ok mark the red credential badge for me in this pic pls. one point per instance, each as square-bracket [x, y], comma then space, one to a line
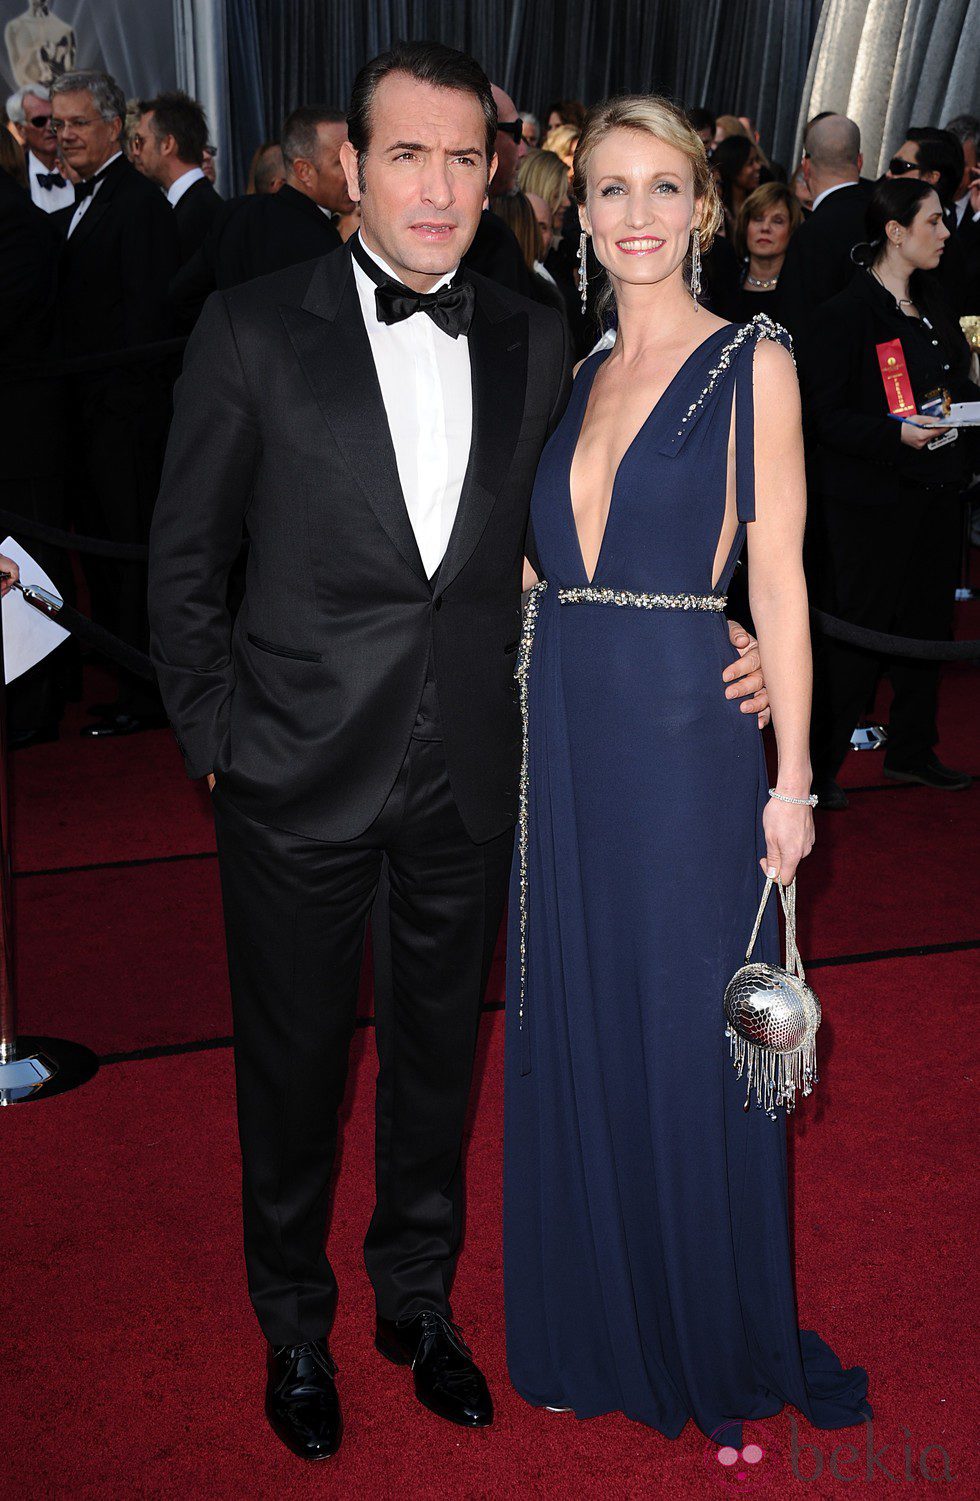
[895, 377]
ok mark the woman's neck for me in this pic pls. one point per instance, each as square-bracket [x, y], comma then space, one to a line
[657, 314]
[894, 277]
[765, 267]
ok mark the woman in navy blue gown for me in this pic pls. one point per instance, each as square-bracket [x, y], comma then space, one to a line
[647, 1255]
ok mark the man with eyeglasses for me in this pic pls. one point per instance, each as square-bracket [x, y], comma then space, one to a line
[29, 111]
[120, 253]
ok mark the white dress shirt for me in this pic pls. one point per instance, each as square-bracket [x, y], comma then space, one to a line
[425, 385]
[47, 198]
[963, 207]
[179, 186]
[83, 206]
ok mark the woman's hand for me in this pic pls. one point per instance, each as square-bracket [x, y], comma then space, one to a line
[922, 430]
[9, 574]
[789, 832]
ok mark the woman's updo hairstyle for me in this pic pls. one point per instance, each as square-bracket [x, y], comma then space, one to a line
[652, 115]
[657, 117]
[894, 200]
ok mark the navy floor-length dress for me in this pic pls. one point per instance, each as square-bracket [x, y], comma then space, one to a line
[647, 1255]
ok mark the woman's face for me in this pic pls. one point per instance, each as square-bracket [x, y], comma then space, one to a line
[554, 119]
[639, 206]
[922, 242]
[748, 178]
[768, 235]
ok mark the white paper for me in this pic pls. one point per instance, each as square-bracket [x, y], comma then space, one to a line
[964, 414]
[28, 636]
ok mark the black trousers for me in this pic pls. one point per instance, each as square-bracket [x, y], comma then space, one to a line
[295, 914]
[890, 568]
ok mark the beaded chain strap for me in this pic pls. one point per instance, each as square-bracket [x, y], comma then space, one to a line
[590, 596]
[761, 326]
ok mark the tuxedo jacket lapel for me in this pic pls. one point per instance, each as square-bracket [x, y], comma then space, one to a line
[97, 209]
[331, 343]
[498, 341]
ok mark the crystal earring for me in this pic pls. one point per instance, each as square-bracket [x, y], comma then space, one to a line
[583, 279]
[696, 267]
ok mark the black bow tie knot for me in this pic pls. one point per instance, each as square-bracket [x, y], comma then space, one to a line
[451, 308]
[50, 179]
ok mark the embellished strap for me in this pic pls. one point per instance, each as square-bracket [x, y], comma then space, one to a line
[522, 674]
[759, 327]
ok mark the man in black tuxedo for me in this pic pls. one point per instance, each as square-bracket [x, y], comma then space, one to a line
[818, 261]
[121, 251]
[265, 232]
[372, 420]
[168, 147]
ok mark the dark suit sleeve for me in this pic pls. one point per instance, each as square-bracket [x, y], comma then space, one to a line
[196, 536]
[150, 256]
[834, 392]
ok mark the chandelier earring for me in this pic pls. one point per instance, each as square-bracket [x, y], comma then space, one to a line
[583, 278]
[696, 267]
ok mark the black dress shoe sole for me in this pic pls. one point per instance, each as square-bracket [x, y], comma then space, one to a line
[924, 779]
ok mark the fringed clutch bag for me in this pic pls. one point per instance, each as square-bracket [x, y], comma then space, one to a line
[772, 1017]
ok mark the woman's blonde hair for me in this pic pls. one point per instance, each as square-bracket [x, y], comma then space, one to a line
[544, 173]
[757, 203]
[518, 215]
[561, 139]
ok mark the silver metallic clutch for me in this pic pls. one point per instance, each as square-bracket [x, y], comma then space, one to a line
[772, 1017]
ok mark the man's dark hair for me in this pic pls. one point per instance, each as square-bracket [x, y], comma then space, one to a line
[299, 130]
[426, 62]
[939, 151]
[964, 128]
[702, 119]
[177, 114]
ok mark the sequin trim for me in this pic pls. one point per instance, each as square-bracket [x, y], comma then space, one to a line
[522, 674]
[761, 326]
[590, 596]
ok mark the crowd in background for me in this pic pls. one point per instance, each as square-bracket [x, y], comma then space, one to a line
[112, 236]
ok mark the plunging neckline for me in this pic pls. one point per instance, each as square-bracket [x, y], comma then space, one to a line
[604, 354]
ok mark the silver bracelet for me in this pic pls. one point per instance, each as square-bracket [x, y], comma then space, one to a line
[800, 802]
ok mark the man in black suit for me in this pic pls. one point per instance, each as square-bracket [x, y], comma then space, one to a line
[818, 261]
[121, 251]
[168, 147]
[373, 420]
[266, 232]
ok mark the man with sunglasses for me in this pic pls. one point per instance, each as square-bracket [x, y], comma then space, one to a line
[495, 252]
[29, 111]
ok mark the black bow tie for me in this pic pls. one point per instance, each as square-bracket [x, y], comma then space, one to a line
[50, 179]
[451, 308]
[87, 188]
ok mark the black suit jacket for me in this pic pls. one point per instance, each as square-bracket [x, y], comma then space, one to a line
[855, 450]
[304, 707]
[195, 212]
[30, 247]
[116, 267]
[251, 237]
[818, 261]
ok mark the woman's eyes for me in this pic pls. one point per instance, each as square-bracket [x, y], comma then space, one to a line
[617, 187]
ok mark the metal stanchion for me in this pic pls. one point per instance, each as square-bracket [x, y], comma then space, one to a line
[30, 1067]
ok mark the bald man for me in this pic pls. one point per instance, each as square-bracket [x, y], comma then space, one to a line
[495, 252]
[818, 261]
[511, 145]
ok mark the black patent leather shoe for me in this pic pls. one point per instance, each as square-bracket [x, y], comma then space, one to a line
[301, 1399]
[122, 724]
[930, 773]
[447, 1380]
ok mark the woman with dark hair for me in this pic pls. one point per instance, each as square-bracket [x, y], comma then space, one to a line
[565, 112]
[763, 227]
[518, 214]
[736, 166]
[886, 493]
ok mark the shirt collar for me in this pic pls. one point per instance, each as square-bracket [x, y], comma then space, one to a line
[827, 192]
[105, 166]
[442, 282]
[180, 184]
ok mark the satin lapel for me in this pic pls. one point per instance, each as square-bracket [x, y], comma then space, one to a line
[332, 346]
[498, 374]
[97, 208]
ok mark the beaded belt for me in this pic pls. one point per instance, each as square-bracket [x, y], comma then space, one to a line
[589, 596]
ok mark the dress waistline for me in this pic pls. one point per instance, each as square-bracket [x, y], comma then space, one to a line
[593, 596]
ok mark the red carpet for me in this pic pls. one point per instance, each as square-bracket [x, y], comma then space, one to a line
[132, 1363]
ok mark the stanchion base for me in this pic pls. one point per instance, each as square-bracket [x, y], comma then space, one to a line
[45, 1066]
[966, 593]
[869, 737]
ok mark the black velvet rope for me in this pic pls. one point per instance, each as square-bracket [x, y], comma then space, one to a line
[894, 646]
[103, 641]
[99, 547]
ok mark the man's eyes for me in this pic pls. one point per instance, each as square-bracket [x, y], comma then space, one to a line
[413, 156]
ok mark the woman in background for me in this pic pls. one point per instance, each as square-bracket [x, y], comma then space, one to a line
[763, 227]
[562, 140]
[736, 166]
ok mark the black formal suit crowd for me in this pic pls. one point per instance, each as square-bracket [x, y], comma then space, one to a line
[354, 710]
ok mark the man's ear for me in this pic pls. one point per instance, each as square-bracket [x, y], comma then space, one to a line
[493, 168]
[348, 160]
[860, 162]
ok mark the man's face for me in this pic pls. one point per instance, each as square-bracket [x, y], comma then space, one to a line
[424, 177]
[969, 168]
[509, 150]
[542, 217]
[909, 152]
[146, 150]
[323, 178]
[38, 138]
[86, 140]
